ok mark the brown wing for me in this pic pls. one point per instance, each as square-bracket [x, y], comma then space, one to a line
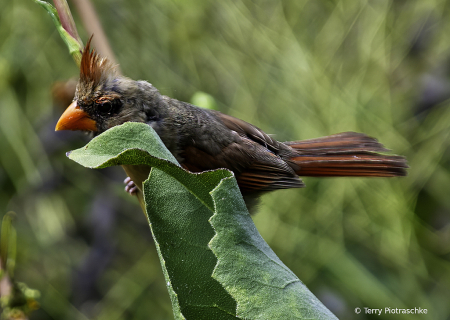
[255, 167]
[245, 129]
[263, 169]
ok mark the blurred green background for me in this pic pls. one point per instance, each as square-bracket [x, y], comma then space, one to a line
[295, 68]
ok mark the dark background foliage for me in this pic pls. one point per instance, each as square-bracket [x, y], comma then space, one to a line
[298, 69]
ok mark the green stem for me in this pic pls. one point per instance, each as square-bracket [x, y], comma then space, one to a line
[73, 42]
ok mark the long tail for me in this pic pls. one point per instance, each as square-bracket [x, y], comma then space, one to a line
[345, 154]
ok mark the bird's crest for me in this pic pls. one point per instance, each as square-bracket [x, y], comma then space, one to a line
[93, 68]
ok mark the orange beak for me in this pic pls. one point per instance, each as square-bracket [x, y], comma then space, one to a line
[75, 119]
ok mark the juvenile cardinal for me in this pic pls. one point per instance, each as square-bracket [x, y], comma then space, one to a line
[205, 139]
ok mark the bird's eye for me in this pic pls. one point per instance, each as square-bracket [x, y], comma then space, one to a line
[105, 107]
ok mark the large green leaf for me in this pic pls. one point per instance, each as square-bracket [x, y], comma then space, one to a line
[216, 264]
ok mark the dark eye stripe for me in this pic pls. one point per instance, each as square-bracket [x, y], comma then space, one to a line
[105, 107]
[109, 107]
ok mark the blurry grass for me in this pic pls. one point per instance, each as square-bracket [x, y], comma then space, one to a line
[299, 69]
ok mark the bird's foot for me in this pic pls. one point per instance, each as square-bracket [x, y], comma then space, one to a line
[130, 187]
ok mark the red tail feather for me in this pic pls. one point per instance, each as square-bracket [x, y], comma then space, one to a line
[345, 154]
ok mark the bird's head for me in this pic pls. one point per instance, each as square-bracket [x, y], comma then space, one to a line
[103, 98]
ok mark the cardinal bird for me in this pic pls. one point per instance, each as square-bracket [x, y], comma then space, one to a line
[203, 139]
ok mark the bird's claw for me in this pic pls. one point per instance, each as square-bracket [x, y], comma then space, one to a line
[130, 187]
